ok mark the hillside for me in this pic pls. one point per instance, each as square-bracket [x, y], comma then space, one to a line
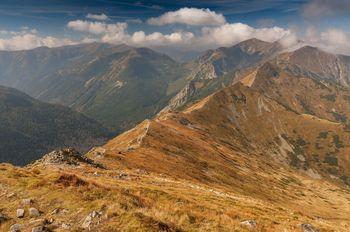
[222, 67]
[118, 86]
[225, 66]
[254, 156]
[30, 128]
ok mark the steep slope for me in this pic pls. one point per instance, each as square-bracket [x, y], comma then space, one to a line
[117, 85]
[239, 138]
[221, 67]
[29, 128]
[323, 65]
[303, 93]
[215, 63]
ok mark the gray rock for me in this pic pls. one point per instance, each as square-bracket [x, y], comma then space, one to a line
[89, 219]
[33, 212]
[251, 224]
[15, 228]
[122, 176]
[94, 214]
[38, 229]
[68, 156]
[20, 213]
[66, 226]
[306, 227]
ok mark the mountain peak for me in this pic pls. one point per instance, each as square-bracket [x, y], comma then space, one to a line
[254, 41]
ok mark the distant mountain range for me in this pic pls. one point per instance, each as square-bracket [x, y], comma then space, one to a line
[30, 128]
[119, 86]
[116, 85]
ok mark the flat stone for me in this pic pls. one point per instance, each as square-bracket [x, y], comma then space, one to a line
[20, 213]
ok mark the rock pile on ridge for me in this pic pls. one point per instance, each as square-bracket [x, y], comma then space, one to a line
[68, 156]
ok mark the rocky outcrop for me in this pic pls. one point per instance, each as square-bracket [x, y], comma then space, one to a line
[181, 98]
[69, 157]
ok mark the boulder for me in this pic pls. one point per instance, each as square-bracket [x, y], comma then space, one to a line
[33, 212]
[306, 227]
[20, 213]
[15, 228]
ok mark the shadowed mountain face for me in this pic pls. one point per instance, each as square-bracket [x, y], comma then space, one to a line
[30, 128]
[117, 85]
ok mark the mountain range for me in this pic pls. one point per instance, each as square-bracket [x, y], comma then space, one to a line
[248, 138]
[116, 85]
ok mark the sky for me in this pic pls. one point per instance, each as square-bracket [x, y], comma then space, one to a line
[193, 25]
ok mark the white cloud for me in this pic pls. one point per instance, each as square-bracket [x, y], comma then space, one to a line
[97, 16]
[230, 34]
[209, 36]
[159, 39]
[97, 27]
[334, 40]
[189, 16]
[30, 40]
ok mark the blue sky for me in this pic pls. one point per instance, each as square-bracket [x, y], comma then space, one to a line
[49, 18]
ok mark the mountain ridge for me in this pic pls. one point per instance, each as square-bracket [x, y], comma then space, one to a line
[30, 128]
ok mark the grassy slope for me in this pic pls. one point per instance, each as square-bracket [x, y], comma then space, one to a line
[153, 202]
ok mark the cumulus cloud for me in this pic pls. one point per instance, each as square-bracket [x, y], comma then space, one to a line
[189, 16]
[218, 34]
[209, 37]
[97, 16]
[332, 40]
[229, 34]
[30, 40]
[317, 8]
[97, 27]
[159, 39]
